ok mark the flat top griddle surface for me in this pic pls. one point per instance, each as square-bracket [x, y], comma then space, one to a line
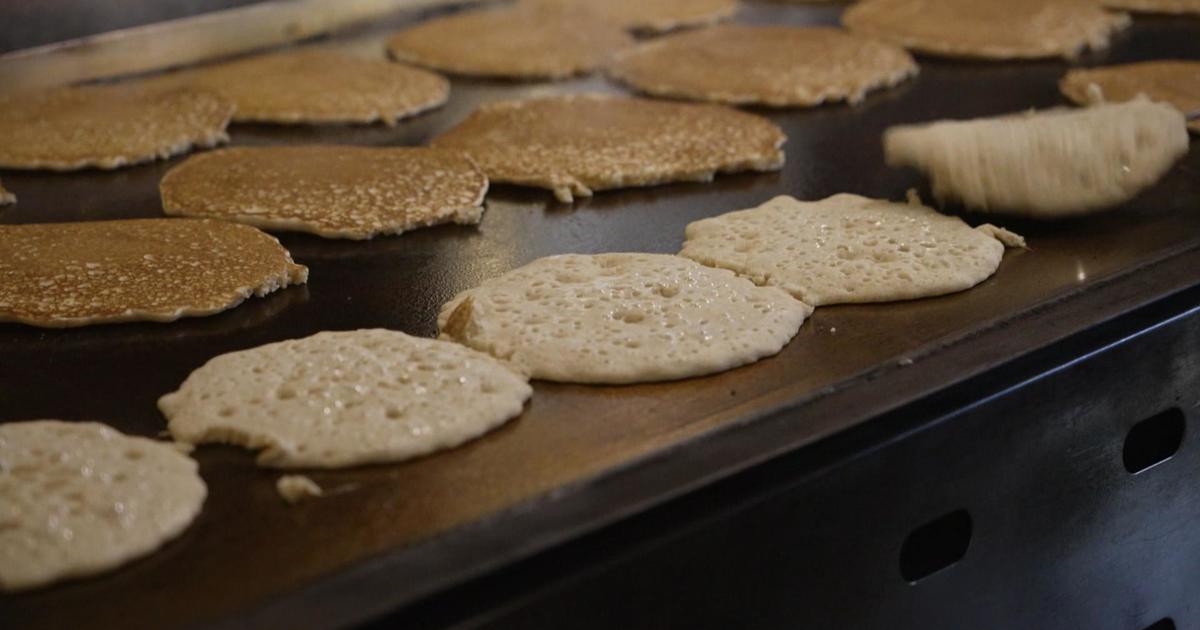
[248, 548]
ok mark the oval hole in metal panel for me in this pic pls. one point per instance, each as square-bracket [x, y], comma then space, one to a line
[1162, 624]
[935, 546]
[1153, 440]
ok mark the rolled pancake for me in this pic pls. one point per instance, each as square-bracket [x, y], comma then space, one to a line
[346, 398]
[577, 144]
[848, 248]
[622, 318]
[779, 66]
[1053, 163]
[320, 86]
[72, 274]
[107, 126]
[79, 498]
[526, 43]
[986, 29]
[654, 16]
[328, 190]
[1170, 81]
[6, 197]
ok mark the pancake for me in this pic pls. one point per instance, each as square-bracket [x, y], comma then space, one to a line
[622, 318]
[80, 498]
[653, 16]
[780, 66]
[1170, 81]
[848, 248]
[517, 43]
[328, 190]
[72, 274]
[1046, 164]
[107, 126]
[577, 144]
[319, 86]
[6, 197]
[985, 29]
[339, 399]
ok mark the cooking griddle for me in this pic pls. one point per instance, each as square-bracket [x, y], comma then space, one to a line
[581, 456]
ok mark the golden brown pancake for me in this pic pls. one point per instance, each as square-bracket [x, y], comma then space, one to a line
[514, 43]
[1172, 81]
[72, 274]
[107, 126]
[655, 16]
[332, 191]
[779, 66]
[987, 29]
[320, 86]
[579, 143]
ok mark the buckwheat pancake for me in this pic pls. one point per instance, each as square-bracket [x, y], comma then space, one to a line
[654, 16]
[848, 248]
[1170, 81]
[72, 274]
[6, 197]
[1154, 6]
[985, 29]
[780, 66]
[107, 126]
[320, 86]
[622, 318]
[521, 43]
[328, 190]
[79, 498]
[339, 399]
[1053, 163]
[577, 144]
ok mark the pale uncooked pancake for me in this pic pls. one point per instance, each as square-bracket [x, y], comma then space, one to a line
[622, 318]
[769, 65]
[333, 191]
[577, 144]
[1014, 29]
[515, 43]
[1046, 164]
[1171, 81]
[107, 126]
[73, 274]
[654, 16]
[79, 498]
[1154, 6]
[848, 248]
[320, 86]
[6, 197]
[345, 398]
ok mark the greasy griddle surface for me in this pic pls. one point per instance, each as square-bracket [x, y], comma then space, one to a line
[248, 547]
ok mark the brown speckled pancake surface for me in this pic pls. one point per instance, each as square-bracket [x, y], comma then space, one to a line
[770, 65]
[320, 86]
[73, 274]
[107, 126]
[1173, 81]
[515, 43]
[576, 144]
[332, 191]
[987, 29]
[650, 15]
